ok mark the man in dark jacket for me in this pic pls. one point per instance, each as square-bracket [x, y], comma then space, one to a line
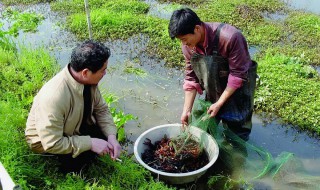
[217, 61]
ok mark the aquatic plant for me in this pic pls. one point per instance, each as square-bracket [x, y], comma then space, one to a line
[26, 22]
[17, 21]
[77, 6]
[288, 88]
[227, 183]
[119, 117]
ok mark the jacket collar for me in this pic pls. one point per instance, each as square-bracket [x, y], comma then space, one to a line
[75, 84]
[205, 42]
[203, 49]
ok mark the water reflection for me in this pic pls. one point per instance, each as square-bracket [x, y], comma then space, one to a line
[317, 69]
[50, 34]
[278, 16]
[285, 138]
[305, 5]
[160, 10]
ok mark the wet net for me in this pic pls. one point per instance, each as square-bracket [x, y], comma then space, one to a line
[242, 165]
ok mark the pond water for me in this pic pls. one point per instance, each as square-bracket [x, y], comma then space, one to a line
[157, 98]
[306, 5]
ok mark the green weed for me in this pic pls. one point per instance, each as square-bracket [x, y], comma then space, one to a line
[286, 83]
[119, 117]
[26, 22]
[77, 6]
[26, 72]
[228, 183]
[16, 2]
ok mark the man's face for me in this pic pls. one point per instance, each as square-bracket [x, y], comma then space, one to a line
[94, 78]
[191, 40]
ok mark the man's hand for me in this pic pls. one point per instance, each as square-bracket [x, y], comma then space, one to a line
[185, 117]
[116, 150]
[188, 103]
[213, 109]
[100, 146]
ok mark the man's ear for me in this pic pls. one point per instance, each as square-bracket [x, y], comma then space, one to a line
[197, 28]
[85, 73]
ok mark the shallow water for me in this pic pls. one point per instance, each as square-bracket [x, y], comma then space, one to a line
[158, 97]
[305, 5]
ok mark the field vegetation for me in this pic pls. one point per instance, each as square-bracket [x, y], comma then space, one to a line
[288, 86]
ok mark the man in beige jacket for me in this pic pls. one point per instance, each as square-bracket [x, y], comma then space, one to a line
[69, 117]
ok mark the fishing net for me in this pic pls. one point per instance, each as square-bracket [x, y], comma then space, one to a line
[242, 163]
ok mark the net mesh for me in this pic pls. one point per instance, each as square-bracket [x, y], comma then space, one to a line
[246, 164]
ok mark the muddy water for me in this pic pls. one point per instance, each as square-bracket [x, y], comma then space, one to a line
[157, 97]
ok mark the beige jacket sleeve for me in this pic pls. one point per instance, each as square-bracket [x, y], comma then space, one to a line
[102, 115]
[50, 114]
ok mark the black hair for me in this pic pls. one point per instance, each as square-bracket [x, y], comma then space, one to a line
[182, 22]
[90, 54]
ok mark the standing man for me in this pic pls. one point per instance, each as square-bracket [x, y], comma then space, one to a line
[69, 117]
[217, 61]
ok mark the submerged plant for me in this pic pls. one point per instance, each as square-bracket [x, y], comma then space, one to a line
[26, 22]
[119, 117]
[227, 183]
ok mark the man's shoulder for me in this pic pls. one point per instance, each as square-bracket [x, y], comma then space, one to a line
[55, 88]
[228, 32]
[226, 28]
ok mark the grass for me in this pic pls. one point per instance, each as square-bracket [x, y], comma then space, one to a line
[25, 2]
[287, 84]
[26, 72]
[77, 6]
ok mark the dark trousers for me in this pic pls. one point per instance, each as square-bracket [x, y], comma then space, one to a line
[242, 129]
[70, 164]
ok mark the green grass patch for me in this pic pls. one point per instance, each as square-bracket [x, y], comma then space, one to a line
[24, 2]
[306, 54]
[122, 25]
[26, 22]
[77, 6]
[305, 28]
[289, 88]
[27, 169]
[247, 16]
[160, 43]
[304, 35]
[106, 24]
[17, 21]
[122, 22]
[185, 2]
[25, 73]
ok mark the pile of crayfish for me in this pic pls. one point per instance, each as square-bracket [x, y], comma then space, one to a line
[178, 155]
